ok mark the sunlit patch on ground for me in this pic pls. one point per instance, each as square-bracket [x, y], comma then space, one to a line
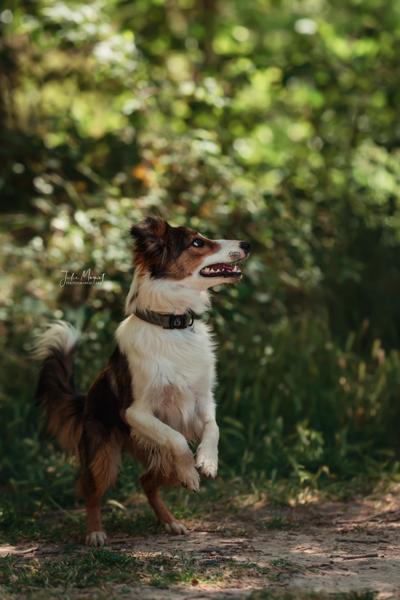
[346, 550]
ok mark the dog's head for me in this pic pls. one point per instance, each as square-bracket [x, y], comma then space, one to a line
[184, 255]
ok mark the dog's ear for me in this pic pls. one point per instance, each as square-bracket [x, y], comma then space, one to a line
[151, 227]
[150, 238]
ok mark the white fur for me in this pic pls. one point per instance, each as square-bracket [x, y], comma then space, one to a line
[176, 528]
[173, 375]
[163, 295]
[173, 371]
[59, 335]
[229, 251]
[96, 538]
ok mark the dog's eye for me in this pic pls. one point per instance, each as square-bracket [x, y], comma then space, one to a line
[198, 243]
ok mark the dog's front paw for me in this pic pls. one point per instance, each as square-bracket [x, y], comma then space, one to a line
[189, 478]
[207, 463]
[96, 538]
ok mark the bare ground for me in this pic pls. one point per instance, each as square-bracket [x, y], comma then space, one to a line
[327, 547]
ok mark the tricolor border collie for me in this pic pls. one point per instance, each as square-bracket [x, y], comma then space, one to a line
[155, 396]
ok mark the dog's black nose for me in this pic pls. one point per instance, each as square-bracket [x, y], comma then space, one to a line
[245, 246]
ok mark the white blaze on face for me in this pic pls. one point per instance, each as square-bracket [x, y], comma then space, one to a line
[230, 251]
[219, 267]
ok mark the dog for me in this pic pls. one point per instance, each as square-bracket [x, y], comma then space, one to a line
[155, 396]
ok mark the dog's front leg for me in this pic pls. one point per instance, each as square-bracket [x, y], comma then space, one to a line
[147, 427]
[207, 452]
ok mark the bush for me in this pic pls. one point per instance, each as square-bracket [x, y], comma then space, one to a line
[271, 122]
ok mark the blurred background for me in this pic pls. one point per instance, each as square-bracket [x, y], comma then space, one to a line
[274, 121]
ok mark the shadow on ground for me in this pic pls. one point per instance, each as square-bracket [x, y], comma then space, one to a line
[331, 549]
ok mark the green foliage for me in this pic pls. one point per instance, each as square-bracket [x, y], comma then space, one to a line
[274, 122]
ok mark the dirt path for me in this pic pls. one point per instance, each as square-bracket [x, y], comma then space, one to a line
[329, 547]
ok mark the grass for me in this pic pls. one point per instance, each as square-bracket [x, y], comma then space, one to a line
[128, 513]
[82, 569]
[71, 570]
[74, 570]
[38, 505]
[101, 570]
[56, 525]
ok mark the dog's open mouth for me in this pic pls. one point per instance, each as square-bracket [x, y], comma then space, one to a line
[221, 270]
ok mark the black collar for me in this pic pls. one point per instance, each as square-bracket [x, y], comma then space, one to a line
[167, 321]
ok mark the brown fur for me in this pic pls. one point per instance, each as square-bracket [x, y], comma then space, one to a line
[93, 428]
[151, 483]
[63, 405]
[167, 251]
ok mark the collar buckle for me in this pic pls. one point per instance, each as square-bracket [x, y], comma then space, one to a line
[177, 321]
[181, 321]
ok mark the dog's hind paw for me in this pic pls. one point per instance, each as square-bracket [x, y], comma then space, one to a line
[96, 538]
[176, 528]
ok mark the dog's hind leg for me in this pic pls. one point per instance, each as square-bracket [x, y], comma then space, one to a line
[100, 459]
[151, 483]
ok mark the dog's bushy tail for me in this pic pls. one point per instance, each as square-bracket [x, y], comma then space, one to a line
[56, 392]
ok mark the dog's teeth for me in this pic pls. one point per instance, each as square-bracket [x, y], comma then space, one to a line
[221, 269]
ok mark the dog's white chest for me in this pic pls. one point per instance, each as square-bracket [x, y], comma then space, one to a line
[171, 370]
[178, 408]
